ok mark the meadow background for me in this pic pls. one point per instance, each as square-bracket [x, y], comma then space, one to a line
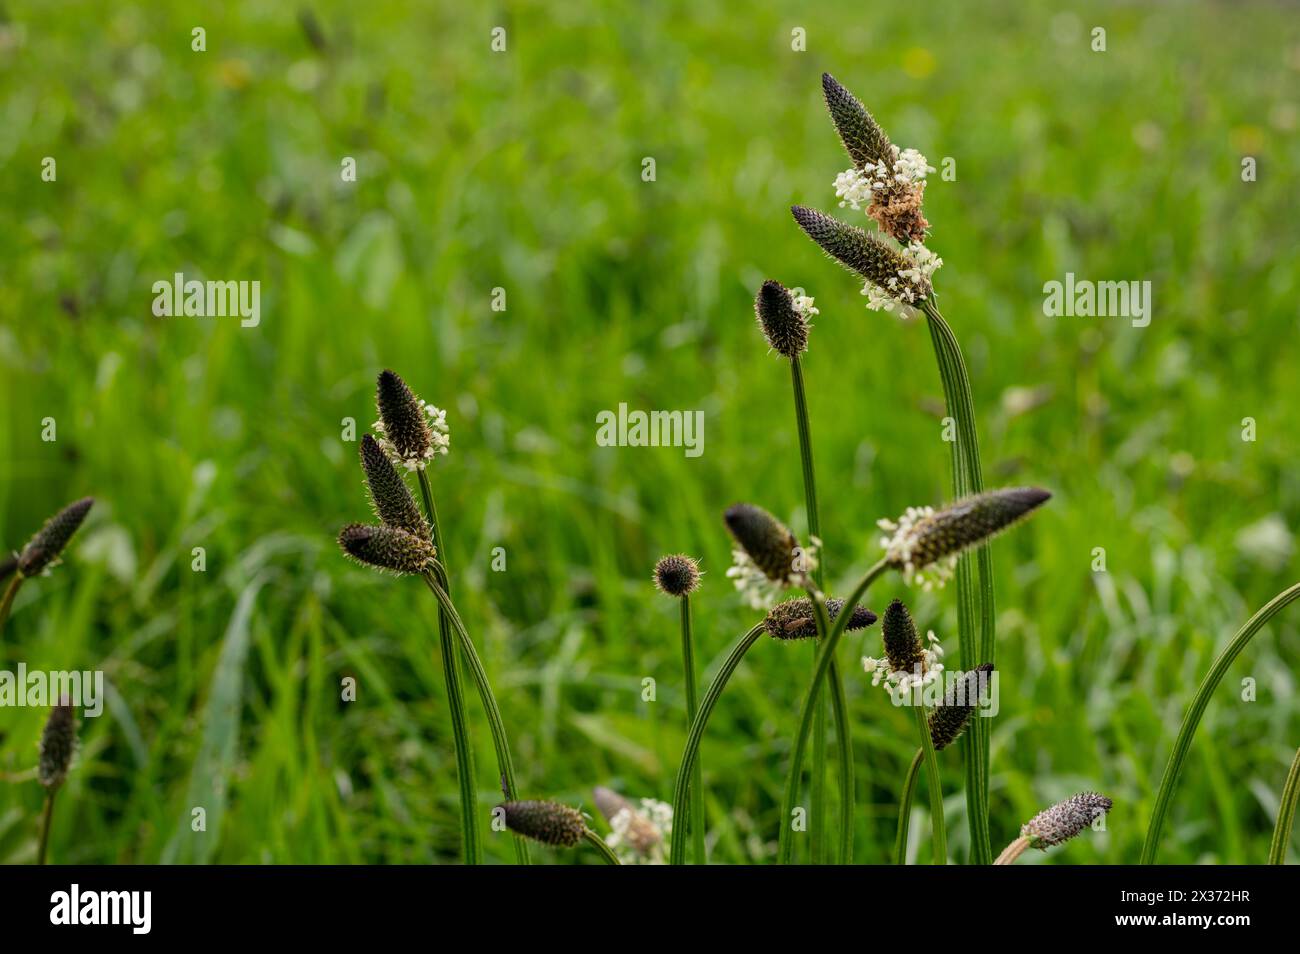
[522, 170]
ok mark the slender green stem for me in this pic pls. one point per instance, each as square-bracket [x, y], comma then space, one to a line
[696, 795]
[1285, 814]
[693, 738]
[445, 610]
[606, 853]
[938, 828]
[46, 817]
[974, 603]
[905, 807]
[7, 602]
[1197, 709]
[839, 706]
[825, 656]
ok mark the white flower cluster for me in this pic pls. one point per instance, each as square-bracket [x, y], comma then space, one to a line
[439, 439]
[901, 680]
[758, 591]
[857, 187]
[905, 290]
[803, 306]
[903, 534]
[644, 837]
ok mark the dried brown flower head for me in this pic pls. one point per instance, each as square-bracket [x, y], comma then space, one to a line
[58, 745]
[548, 822]
[677, 575]
[387, 548]
[793, 619]
[44, 548]
[950, 718]
[784, 326]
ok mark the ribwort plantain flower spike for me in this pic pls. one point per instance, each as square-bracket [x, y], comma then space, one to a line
[864, 140]
[768, 558]
[43, 550]
[58, 745]
[784, 318]
[410, 431]
[950, 718]
[903, 648]
[677, 575]
[1065, 819]
[387, 548]
[639, 833]
[548, 822]
[794, 619]
[925, 538]
[895, 281]
[389, 494]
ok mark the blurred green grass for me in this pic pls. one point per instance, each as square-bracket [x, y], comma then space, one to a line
[521, 170]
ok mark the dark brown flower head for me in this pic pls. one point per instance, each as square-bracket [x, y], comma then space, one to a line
[862, 136]
[44, 548]
[767, 542]
[784, 326]
[402, 418]
[548, 822]
[902, 644]
[1065, 819]
[922, 537]
[950, 718]
[387, 548]
[58, 745]
[876, 261]
[677, 575]
[389, 493]
[793, 619]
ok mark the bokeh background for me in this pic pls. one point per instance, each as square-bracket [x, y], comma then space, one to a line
[521, 170]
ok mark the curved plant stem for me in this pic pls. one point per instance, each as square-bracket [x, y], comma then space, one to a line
[7, 602]
[1285, 814]
[938, 828]
[499, 739]
[825, 656]
[905, 807]
[689, 754]
[974, 603]
[46, 817]
[606, 853]
[1197, 709]
[1012, 851]
[692, 706]
[839, 705]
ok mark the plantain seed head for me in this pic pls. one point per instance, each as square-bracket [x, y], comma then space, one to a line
[677, 575]
[548, 822]
[58, 745]
[950, 718]
[43, 549]
[387, 548]
[1065, 819]
[793, 619]
[783, 318]
[389, 494]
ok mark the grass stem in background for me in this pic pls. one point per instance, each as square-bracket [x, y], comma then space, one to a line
[696, 734]
[1196, 710]
[905, 807]
[825, 657]
[7, 602]
[938, 828]
[974, 598]
[1285, 814]
[46, 817]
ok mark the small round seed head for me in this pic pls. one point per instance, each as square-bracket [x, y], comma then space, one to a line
[902, 644]
[965, 524]
[856, 250]
[386, 548]
[1065, 819]
[677, 575]
[548, 822]
[44, 548]
[784, 327]
[58, 745]
[767, 541]
[950, 718]
[793, 619]
[389, 493]
[862, 136]
[406, 425]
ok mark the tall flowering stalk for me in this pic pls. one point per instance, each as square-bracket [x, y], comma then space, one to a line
[407, 542]
[678, 576]
[784, 319]
[890, 183]
[42, 551]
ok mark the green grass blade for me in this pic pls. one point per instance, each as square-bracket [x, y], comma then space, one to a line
[1285, 814]
[905, 807]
